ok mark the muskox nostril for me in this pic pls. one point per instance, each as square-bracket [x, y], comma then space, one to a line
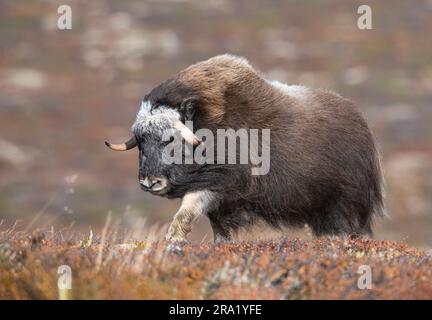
[153, 183]
[147, 182]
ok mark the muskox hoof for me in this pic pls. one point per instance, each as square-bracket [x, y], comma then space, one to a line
[177, 247]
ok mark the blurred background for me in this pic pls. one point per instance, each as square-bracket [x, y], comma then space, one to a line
[62, 93]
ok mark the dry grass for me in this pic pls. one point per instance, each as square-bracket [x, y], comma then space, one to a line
[283, 269]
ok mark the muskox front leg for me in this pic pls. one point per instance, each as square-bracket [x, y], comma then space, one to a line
[193, 205]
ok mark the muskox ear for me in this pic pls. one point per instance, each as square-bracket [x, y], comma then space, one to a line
[187, 108]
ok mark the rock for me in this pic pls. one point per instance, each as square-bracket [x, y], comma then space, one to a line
[25, 78]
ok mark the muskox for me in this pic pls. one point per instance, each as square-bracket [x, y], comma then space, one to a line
[324, 166]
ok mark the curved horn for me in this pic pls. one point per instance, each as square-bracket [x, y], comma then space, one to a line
[186, 133]
[130, 144]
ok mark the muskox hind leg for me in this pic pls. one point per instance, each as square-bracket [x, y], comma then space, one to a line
[220, 234]
[193, 205]
[343, 221]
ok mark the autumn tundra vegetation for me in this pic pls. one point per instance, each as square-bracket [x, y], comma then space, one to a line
[112, 264]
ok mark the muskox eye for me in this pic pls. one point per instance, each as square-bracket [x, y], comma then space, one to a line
[165, 143]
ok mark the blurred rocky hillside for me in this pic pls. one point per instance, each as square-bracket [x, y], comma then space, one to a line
[62, 93]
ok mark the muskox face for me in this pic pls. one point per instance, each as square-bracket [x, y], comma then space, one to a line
[158, 130]
[154, 129]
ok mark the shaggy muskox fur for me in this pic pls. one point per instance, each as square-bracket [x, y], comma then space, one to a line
[325, 170]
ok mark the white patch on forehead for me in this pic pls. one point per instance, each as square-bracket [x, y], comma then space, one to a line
[296, 91]
[145, 107]
[159, 118]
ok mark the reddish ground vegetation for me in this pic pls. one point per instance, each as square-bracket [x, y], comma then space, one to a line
[283, 269]
[63, 93]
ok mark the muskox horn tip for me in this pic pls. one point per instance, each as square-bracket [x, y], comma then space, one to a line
[131, 143]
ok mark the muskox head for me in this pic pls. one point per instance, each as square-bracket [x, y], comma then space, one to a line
[156, 131]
